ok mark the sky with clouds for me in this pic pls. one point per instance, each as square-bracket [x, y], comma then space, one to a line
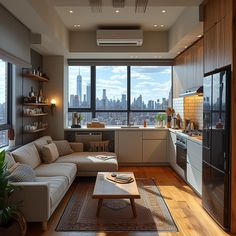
[152, 82]
[2, 81]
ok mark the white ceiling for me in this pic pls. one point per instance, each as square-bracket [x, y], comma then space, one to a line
[52, 20]
[88, 20]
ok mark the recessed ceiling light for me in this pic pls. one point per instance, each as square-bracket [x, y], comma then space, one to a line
[76, 26]
[117, 11]
[178, 53]
[155, 26]
[162, 25]
[199, 36]
[71, 11]
[185, 46]
[163, 11]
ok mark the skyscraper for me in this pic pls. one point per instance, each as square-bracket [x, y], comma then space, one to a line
[79, 87]
[88, 94]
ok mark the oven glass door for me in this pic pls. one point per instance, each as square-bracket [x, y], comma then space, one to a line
[181, 156]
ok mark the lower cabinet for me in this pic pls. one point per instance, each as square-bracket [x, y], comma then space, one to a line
[154, 151]
[194, 166]
[194, 178]
[142, 146]
[130, 146]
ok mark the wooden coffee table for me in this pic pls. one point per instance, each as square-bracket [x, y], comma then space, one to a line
[107, 189]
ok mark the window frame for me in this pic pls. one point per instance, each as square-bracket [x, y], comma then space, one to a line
[93, 109]
[8, 124]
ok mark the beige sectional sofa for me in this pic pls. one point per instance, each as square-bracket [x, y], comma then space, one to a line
[39, 198]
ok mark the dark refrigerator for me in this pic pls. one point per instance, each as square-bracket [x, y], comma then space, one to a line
[216, 147]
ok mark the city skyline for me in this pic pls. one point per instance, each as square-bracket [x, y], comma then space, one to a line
[145, 81]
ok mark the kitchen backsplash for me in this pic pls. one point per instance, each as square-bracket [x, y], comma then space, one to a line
[190, 107]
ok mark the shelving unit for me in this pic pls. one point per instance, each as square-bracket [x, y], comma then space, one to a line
[35, 115]
[34, 131]
[35, 77]
[29, 118]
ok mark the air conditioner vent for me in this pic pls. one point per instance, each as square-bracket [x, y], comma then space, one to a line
[119, 37]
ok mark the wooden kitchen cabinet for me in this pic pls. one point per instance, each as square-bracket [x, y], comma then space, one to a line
[218, 45]
[214, 12]
[188, 69]
[130, 147]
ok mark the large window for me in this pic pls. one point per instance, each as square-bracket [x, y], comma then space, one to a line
[111, 87]
[5, 96]
[118, 95]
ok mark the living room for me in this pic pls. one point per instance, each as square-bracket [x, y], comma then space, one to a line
[118, 117]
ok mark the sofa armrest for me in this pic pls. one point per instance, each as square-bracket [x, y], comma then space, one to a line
[77, 147]
[33, 199]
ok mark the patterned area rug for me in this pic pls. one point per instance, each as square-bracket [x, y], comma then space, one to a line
[116, 215]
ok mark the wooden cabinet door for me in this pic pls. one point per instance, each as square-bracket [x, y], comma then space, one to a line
[198, 64]
[210, 50]
[210, 14]
[130, 146]
[224, 42]
[154, 151]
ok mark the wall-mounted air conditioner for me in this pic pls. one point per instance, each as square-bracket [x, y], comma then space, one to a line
[119, 37]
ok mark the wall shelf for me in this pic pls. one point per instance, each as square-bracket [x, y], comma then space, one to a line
[35, 115]
[34, 131]
[35, 104]
[35, 77]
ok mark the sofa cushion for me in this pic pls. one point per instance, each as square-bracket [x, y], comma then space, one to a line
[57, 187]
[9, 159]
[39, 143]
[49, 153]
[27, 154]
[86, 161]
[63, 147]
[22, 173]
[57, 169]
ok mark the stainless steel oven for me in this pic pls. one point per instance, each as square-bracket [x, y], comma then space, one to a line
[181, 152]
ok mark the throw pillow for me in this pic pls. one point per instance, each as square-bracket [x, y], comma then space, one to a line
[63, 147]
[13, 167]
[49, 153]
[22, 173]
[9, 159]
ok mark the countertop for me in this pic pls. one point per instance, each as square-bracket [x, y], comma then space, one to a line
[141, 128]
[111, 128]
[197, 139]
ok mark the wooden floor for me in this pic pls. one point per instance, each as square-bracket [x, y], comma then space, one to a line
[184, 204]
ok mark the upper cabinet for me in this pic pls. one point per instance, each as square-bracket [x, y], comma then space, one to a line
[188, 69]
[217, 34]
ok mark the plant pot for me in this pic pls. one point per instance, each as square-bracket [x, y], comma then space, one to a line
[12, 143]
[16, 227]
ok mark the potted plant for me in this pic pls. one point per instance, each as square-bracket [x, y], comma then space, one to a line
[12, 221]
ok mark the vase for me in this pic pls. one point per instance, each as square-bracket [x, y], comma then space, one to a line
[12, 143]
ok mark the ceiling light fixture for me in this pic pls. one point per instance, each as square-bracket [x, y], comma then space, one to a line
[141, 6]
[162, 25]
[117, 11]
[70, 11]
[155, 26]
[76, 26]
[185, 46]
[199, 36]
[163, 11]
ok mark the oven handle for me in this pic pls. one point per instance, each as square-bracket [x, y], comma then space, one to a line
[181, 146]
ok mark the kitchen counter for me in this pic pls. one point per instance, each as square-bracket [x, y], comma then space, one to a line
[196, 139]
[113, 128]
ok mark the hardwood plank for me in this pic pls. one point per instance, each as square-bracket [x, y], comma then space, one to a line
[185, 207]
